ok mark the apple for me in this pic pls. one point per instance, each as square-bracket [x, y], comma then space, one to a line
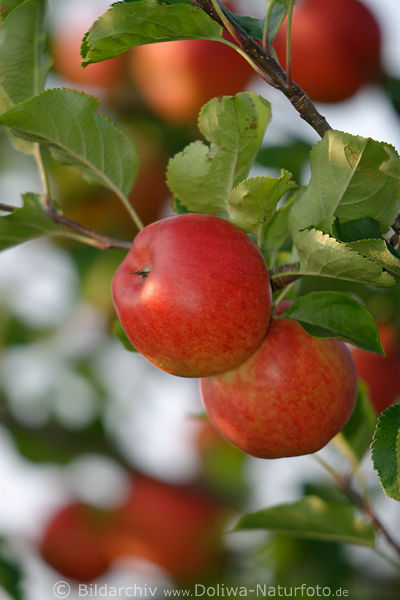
[193, 295]
[336, 48]
[381, 373]
[66, 41]
[177, 527]
[176, 78]
[72, 542]
[290, 398]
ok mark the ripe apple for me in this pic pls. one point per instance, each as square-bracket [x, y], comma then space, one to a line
[381, 373]
[176, 527]
[335, 48]
[72, 542]
[176, 78]
[193, 295]
[65, 50]
[290, 398]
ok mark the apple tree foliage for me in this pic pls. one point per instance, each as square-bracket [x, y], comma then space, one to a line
[334, 228]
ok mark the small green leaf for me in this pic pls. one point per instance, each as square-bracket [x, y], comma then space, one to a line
[23, 62]
[358, 431]
[202, 177]
[377, 250]
[252, 203]
[292, 156]
[333, 314]
[313, 518]
[324, 256]
[386, 451]
[10, 575]
[361, 229]
[277, 13]
[68, 123]
[129, 24]
[348, 182]
[26, 223]
[277, 229]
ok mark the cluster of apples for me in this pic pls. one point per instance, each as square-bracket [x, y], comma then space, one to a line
[175, 527]
[193, 295]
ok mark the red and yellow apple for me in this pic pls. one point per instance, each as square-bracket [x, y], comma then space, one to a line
[176, 527]
[193, 295]
[381, 373]
[290, 398]
[74, 540]
[176, 78]
[336, 47]
[65, 50]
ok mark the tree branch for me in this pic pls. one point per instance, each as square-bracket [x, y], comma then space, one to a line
[101, 241]
[289, 275]
[274, 74]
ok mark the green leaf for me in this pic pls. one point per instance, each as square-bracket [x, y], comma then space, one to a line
[277, 13]
[202, 177]
[347, 182]
[386, 451]
[252, 203]
[378, 251]
[291, 156]
[334, 314]
[10, 576]
[26, 223]
[361, 229]
[126, 25]
[358, 431]
[23, 63]
[324, 256]
[67, 122]
[313, 518]
[277, 229]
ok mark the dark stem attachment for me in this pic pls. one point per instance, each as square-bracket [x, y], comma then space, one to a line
[143, 272]
[273, 72]
[289, 274]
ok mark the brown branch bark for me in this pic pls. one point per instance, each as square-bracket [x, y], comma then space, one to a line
[289, 274]
[274, 74]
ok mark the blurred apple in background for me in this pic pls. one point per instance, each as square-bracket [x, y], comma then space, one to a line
[176, 78]
[73, 541]
[69, 28]
[381, 373]
[336, 48]
[176, 527]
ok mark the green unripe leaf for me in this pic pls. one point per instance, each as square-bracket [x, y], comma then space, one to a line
[386, 451]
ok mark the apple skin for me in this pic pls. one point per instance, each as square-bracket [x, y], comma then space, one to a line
[205, 303]
[336, 48]
[176, 78]
[73, 540]
[290, 398]
[177, 527]
[381, 373]
[65, 50]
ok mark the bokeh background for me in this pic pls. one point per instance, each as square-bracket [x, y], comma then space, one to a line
[80, 414]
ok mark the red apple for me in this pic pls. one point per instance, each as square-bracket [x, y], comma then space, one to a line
[65, 50]
[335, 48]
[177, 78]
[174, 526]
[73, 541]
[193, 295]
[290, 398]
[381, 373]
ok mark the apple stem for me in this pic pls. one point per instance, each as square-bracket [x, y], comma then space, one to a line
[273, 72]
[143, 272]
[283, 275]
